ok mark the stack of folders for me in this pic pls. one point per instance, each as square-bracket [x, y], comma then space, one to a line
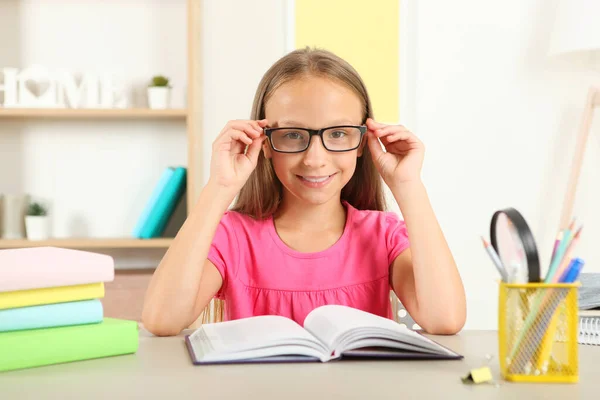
[589, 309]
[50, 308]
[162, 206]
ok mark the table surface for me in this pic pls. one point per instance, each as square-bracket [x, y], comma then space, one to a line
[161, 368]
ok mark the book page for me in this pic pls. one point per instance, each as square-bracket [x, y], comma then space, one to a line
[340, 326]
[250, 334]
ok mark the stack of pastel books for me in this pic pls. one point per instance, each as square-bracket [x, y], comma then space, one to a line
[50, 308]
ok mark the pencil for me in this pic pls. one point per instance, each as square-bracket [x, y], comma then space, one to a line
[556, 244]
[567, 257]
[559, 238]
[558, 257]
[495, 259]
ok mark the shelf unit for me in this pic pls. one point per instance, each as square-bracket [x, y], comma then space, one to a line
[72, 113]
[191, 116]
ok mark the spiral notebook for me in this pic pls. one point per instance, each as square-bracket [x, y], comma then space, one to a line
[589, 309]
[589, 327]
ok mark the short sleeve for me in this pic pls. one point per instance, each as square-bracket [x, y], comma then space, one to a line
[224, 250]
[396, 236]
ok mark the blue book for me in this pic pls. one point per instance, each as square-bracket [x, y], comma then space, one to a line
[164, 179]
[165, 205]
[51, 315]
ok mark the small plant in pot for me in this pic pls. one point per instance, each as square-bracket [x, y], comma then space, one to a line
[37, 222]
[159, 93]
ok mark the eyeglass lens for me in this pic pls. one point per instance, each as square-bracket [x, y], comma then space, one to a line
[334, 139]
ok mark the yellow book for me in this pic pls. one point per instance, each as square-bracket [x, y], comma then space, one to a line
[60, 294]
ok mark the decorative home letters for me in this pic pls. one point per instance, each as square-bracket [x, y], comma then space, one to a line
[38, 87]
[9, 87]
[84, 95]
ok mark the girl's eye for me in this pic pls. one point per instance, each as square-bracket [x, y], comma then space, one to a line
[337, 134]
[293, 135]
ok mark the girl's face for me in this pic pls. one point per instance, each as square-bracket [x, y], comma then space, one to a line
[316, 175]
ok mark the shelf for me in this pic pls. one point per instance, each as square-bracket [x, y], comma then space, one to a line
[74, 113]
[87, 243]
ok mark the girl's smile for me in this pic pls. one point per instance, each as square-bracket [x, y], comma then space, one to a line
[316, 181]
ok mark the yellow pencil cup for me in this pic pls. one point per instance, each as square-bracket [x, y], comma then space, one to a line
[537, 332]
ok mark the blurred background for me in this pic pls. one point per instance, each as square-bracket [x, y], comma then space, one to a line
[88, 127]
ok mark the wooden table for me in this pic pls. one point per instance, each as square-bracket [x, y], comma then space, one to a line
[162, 369]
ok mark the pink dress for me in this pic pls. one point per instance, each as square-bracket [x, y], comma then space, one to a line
[262, 275]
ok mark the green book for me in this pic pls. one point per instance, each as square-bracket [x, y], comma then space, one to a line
[37, 347]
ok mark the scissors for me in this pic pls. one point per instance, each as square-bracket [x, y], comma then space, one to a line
[513, 241]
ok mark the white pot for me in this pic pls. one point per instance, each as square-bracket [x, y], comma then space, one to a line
[37, 227]
[159, 97]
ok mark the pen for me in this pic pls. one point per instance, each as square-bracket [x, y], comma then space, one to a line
[572, 273]
[495, 259]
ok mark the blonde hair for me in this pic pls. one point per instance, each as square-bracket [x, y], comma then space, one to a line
[260, 197]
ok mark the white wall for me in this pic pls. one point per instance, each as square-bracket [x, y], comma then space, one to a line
[499, 119]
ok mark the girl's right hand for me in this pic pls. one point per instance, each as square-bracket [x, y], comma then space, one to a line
[231, 165]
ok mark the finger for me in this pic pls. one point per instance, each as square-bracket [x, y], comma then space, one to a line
[241, 136]
[256, 126]
[263, 123]
[372, 124]
[237, 146]
[247, 127]
[394, 137]
[374, 146]
[390, 129]
[254, 149]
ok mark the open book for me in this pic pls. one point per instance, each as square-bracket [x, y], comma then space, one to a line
[330, 332]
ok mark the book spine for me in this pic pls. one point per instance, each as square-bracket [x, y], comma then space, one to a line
[143, 219]
[26, 349]
[34, 297]
[48, 266]
[165, 205]
[51, 315]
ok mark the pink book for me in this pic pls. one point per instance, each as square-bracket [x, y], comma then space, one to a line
[42, 267]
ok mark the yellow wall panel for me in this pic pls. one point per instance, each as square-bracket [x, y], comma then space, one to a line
[365, 33]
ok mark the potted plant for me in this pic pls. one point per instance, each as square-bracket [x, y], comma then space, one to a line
[159, 93]
[37, 222]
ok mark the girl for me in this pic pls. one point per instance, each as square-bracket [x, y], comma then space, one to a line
[308, 227]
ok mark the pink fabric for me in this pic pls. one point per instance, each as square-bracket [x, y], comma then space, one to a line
[262, 275]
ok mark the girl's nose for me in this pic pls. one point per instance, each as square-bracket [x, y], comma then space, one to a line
[316, 155]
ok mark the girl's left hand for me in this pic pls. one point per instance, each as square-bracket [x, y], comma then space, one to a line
[403, 158]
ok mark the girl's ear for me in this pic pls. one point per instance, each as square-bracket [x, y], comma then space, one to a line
[362, 145]
[266, 147]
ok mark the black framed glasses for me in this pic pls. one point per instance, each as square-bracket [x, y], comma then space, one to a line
[334, 138]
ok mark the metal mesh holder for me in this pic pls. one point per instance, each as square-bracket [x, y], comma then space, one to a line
[537, 332]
